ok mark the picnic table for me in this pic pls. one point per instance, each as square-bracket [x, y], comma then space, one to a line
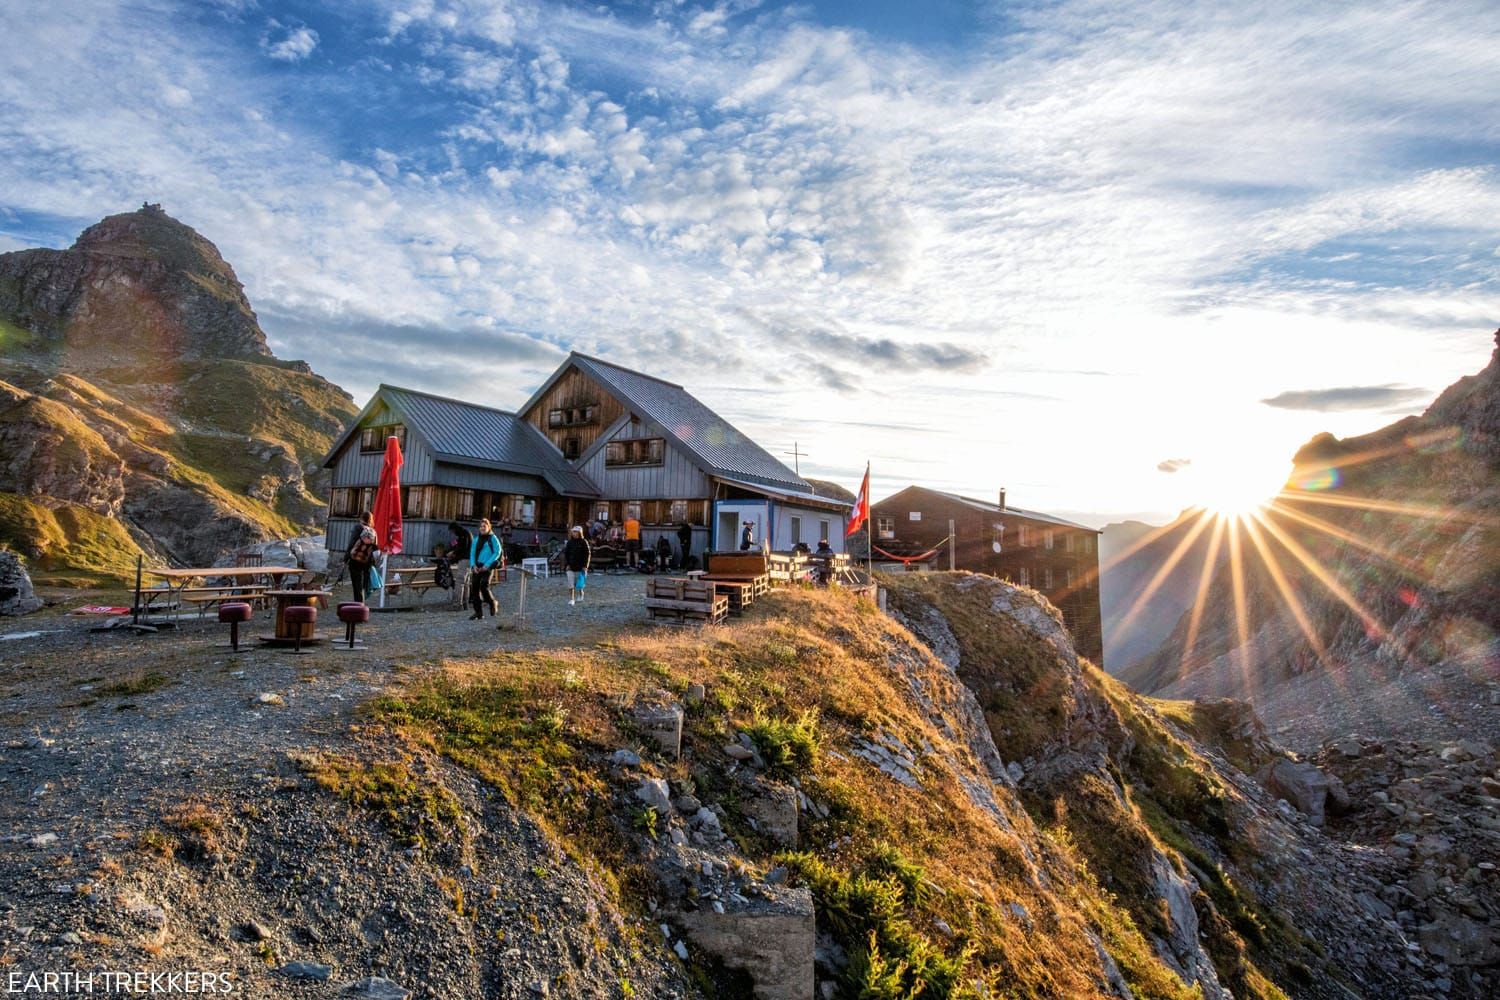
[241, 584]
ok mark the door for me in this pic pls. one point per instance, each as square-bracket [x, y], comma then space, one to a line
[728, 535]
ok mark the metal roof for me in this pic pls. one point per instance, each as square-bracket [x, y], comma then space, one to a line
[470, 434]
[713, 441]
[991, 507]
[776, 493]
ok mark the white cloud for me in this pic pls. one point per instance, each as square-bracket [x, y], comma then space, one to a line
[294, 44]
[741, 197]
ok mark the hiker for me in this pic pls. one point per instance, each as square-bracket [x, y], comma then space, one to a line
[747, 536]
[460, 541]
[485, 556]
[632, 540]
[824, 555]
[576, 557]
[664, 553]
[360, 556]
[684, 542]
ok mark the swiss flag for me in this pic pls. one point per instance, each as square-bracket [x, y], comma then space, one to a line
[861, 512]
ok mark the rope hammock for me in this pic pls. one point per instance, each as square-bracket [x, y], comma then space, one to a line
[908, 560]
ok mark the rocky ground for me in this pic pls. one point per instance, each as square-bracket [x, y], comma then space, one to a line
[121, 749]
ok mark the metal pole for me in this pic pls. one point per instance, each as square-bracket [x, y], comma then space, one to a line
[952, 558]
[521, 600]
[384, 559]
[136, 611]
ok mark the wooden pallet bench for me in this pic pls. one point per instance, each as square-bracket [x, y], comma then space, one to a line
[675, 601]
[739, 592]
[205, 597]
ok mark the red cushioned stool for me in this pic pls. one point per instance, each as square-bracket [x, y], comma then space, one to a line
[234, 613]
[352, 613]
[299, 615]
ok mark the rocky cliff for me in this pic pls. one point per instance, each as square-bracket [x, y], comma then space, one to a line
[1368, 594]
[141, 410]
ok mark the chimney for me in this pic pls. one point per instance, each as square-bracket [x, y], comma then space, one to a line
[1002, 498]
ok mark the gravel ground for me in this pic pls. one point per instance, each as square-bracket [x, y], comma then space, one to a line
[90, 767]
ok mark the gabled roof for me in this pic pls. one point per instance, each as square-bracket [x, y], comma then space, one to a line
[463, 433]
[991, 507]
[718, 447]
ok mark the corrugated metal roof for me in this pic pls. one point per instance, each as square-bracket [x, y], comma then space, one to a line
[992, 507]
[474, 434]
[718, 446]
[820, 499]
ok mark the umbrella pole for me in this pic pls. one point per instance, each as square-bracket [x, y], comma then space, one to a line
[383, 560]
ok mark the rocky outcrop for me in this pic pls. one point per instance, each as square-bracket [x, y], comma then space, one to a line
[146, 393]
[16, 594]
[134, 286]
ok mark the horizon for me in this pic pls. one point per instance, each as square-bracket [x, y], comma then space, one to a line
[1277, 219]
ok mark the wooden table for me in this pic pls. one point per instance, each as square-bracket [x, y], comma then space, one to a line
[179, 579]
[286, 599]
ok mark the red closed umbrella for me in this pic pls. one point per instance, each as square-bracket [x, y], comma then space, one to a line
[388, 500]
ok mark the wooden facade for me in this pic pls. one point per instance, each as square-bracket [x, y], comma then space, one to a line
[574, 413]
[1056, 557]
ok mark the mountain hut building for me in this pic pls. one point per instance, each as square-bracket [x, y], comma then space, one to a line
[595, 442]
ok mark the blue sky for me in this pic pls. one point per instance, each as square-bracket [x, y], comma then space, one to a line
[1115, 257]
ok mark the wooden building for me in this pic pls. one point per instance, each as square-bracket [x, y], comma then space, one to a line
[1051, 555]
[595, 442]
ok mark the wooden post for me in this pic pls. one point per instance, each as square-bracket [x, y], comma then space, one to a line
[952, 556]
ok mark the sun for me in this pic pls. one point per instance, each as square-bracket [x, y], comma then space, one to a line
[1230, 488]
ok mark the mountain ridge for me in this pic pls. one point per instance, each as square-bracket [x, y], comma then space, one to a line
[142, 412]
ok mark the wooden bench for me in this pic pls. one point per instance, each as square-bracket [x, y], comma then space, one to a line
[205, 597]
[739, 592]
[675, 601]
[786, 568]
[419, 580]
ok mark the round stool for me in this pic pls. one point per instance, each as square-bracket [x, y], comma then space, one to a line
[234, 613]
[352, 613]
[298, 615]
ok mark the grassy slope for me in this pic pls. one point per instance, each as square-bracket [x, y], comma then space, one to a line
[887, 863]
[68, 546]
[1175, 801]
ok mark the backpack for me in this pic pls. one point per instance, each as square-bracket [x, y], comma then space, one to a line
[363, 550]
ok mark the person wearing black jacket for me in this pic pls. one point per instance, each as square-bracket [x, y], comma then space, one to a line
[457, 554]
[576, 556]
[685, 541]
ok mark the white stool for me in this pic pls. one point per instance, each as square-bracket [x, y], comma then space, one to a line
[536, 566]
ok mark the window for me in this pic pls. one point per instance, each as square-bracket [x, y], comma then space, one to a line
[1068, 540]
[1025, 535]
[633, 510]
[1088, 544]
[573, 416]
[1047, 578]
[416, 501]
[796, 530]
[997, 536]
[521, 510]
[1047, 538]
[601, 511]
[555, 514]
[449, 504]
[823, 533]
[1023, 577]
[638, 451]
[1068, 578]
[572, 447]
[344, 503]
[885, 527]
[372, 439]
[914, 515]
[691, 511]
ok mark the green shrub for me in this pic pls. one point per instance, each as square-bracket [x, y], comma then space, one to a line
[789, 747]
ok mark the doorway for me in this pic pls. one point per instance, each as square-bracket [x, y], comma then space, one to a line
[727, 538]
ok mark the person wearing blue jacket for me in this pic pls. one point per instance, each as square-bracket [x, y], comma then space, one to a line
[485, 556]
